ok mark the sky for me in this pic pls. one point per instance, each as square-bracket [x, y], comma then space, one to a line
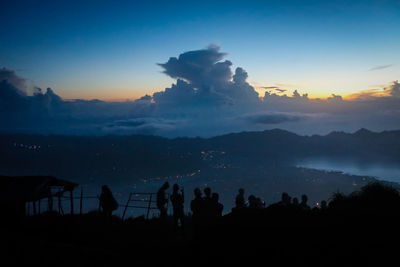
[198, 68]
[109, 50]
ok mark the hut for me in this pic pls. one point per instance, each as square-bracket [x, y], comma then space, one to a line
[17, 191]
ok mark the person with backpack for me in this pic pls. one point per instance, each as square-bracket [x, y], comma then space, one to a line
[107, 201]
[162, 200]
[177, 200]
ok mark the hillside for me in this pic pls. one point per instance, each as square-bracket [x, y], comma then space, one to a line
[151, 156]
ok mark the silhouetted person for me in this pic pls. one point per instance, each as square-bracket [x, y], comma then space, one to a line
[207, 193]
[196, 205]
[285, 199]
[107, 201]
[217, 207]
[207, 203]
[289, 200]
[177, 200]
[324, 205]
[303, 203]
[295, 201]
[162, 200]
[253, 202]
[240, 202]
[260, 204]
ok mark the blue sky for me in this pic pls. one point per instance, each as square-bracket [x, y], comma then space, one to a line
[109, 49]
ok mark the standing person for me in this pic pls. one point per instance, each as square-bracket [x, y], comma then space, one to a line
[107, 201]
[197, 204]
[177, 200]
[253, 202]
[240, 202]
[286, 200]
[324, 205]
[260, 204]
[303, 203]
[207, 203]
[217, 207]
[162, 200]
[197, 208]
[207, 194]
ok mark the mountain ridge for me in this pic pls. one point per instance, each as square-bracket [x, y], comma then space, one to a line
[143, 155]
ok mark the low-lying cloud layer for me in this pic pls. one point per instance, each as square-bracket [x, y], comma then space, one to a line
[208, 98]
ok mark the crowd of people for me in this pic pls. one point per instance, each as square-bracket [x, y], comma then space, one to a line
[204, 208]
[286, 201]
[208, 206]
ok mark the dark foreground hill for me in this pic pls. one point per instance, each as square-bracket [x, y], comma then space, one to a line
[355, 230]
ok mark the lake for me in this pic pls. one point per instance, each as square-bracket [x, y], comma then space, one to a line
[380, 170]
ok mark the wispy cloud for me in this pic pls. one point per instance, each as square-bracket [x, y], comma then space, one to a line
[275, 88]
[381, 67]
[270, 87]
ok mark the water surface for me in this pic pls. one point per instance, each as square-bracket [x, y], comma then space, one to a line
[381, 170]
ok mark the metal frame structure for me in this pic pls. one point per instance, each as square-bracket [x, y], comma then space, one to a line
[148, 205]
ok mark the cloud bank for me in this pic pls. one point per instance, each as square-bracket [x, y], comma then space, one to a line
[207, 98]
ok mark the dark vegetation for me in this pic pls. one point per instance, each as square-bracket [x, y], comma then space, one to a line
[356, 229]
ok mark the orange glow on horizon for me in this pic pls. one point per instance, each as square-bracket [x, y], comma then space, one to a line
[104, 96]
[132, 94]
[349, 97]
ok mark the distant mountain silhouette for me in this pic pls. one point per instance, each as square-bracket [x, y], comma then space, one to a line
[150, 156]
[363, 144]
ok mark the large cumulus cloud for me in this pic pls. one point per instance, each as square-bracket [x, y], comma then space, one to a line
[204, 79]
[207, 98]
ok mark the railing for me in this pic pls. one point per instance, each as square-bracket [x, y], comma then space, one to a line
[148, 202]
[135, 200]
[59, 197]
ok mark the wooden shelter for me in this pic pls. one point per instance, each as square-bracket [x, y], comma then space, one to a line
[16, 191]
